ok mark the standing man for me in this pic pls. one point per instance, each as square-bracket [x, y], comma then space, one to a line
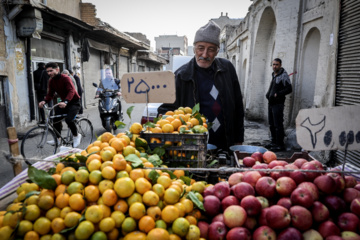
[79, 88]
[213, 83]
[280, 86]
[70, 104]
[41, 79]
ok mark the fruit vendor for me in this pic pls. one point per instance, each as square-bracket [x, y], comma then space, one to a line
[279, 87]
[213, 83]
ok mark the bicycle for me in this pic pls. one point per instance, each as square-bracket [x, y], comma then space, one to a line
[35, 143]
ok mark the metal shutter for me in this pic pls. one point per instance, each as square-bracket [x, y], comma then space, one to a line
[348, 66]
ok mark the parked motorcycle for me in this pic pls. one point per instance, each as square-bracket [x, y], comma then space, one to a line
[109, 108]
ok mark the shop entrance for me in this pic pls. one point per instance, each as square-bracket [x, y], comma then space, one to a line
[3, 114]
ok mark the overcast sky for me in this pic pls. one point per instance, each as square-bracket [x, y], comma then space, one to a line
[166, 17]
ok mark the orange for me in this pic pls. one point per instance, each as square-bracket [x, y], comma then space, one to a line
[180, 226]
[106, 136]
[108, 173]
[42, 225]
[124, 187]
[128, 150]
[156, 130]
[124, 140]
[169, 113]
[118, 218]
[117, 144]
[32, 212]
[194, 121]
[95, 176]
[24, 227]
[75, 187]
[162, 122]
[109, 197]
[155, 140]
[142, 185]
[195, 213]
[59, 167]
[46, 202]
[167, 128]
[174, 237]
[189, 205]
[148, 164]
[136, 173]
[181, 209]
[57, 178]
[198, 187]
[185, 127]
[59, 189]
[95, 164]
[94, 214]
[179, 173]
[57, 225]
[106, 155]
[62, 200]
[171, 196]
[104, 144]
[65, 211]
[128, 168]
[77, 202]
[31, 235]
[107, 224]
[34, 199]
[105, 184]
[84, 230]
[128, 225]
[82, 176]
[165, 181]
[154, 212]
[176, 123]
[158, 234]
[113, 235]
[97, 143]
[119, 164]
[137, 210]
[136, 235]
[72, 219]
[106, 210]
[106, 164]
[92, 157]
[176, 187]
[92, 193]
[193, 233]
[169, 213]
[136, 128]
[150, 198]
[146, 223]
[191, 219]
[121, 206]
[158, 189]
[93, 149]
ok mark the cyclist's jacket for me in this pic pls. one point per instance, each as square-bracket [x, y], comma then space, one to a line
[64, 87]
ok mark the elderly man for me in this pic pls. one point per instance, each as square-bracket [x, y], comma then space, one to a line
[213, 83]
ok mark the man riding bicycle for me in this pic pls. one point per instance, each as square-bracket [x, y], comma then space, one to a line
[70, 101]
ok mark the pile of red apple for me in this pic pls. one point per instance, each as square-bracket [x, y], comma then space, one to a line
[296, 204]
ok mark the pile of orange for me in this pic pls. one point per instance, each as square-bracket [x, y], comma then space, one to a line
[107, 199]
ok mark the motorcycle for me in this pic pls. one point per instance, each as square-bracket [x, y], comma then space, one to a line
[109, 108]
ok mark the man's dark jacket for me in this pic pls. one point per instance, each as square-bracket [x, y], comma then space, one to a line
[227, 84]
[281, 85]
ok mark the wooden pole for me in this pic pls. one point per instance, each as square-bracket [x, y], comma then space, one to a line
[14, 148]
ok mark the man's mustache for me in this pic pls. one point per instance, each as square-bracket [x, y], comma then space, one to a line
[206, 59]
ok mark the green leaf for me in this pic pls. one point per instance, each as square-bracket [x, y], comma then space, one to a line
[186, 180]
[41, 178]
[52, 171]
[81, 158]
[144, 155]
[129, 111]
[172, 175]
[156, 119]
[149, 124]
[129, 134]
[155, 160]
[160, 151]
[198, 117]
[153, 175]
[191, 195]
[140, 143]
[29, 194]
[182, 121]
[209, 125]
[196, 108]
[135, 160]
[119, 125]
[213, 163]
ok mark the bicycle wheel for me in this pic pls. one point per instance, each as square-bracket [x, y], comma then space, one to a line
[35, 143]
[85, 128]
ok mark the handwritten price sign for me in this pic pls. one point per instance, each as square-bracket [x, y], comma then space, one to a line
[160, 87]
[329, 128]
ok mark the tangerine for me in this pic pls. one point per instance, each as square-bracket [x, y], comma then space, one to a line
[146, 224]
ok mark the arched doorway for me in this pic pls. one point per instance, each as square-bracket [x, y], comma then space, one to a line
[256, 107]
[309, 63]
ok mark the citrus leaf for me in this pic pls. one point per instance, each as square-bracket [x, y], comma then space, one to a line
[196, 108]
[182, 121]
[149, 124]
[29, 194]
[160, 151]
[213, 163]
[155, 160]
[140, 143]
[172, 175]
[52, 171]
[144, 155]
[81, 158]
[41, 178]
[135, 160]
[129, 111]
[191, 195]
[153, 175]
[119, 125]
[186, 180]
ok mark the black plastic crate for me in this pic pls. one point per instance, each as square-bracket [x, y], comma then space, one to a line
[186, 150]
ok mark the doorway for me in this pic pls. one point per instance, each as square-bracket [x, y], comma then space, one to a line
[3, 114]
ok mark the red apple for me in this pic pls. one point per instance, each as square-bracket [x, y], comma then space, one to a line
[302, 196]
[277, 163]
[264, 233]
[228, 201]
[279, 174]
[334, 237]
[263, 200]
[301, 218]
[298, 176]
[340, 182]
[291, 166]
[350, 181]
[222, 190]
[251, 205]
[320, 212]
[217, 231]
[300, 161]
[335, 204]
[212, 205]
[317, 164]
[325, 184]
[290, 233]
[312, 188]
[348, 235]
[238, 233]
[218, 218]
[285, 186]
[234, 216]
[350, 194]
[328, 228]
[243, 189]
[261, 166]
[251, 177]
[258, 156]
[203, 227]
[357, 187]
[355, 206]
[235, 178]
[249, 161]
[310, 176]
[348, 222]
[210, 190]
[278, 217]
[269, 156]
[312, 235]
[250, 223]
[262, 217]
[266, 186]
[285, 202]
